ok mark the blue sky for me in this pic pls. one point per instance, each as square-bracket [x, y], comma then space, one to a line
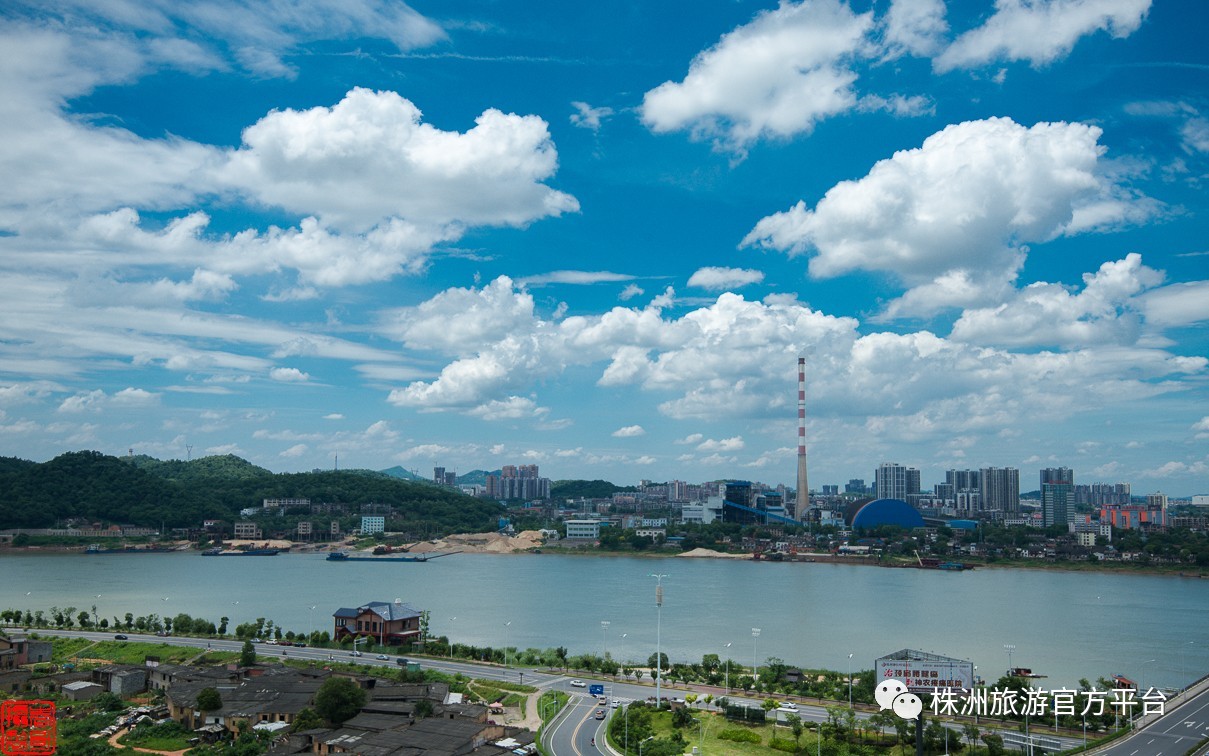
[596, 237]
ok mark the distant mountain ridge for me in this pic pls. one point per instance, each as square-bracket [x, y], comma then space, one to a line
[145, 491]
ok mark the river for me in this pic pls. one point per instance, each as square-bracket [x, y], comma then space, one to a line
[1067, 625]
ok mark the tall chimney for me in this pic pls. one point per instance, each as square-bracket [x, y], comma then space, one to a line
[803, 486]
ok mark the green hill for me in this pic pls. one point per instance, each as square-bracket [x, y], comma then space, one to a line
[144, 491]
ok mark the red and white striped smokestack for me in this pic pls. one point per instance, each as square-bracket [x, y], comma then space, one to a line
[803, 486]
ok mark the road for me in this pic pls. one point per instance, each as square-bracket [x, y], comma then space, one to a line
[1179, 729]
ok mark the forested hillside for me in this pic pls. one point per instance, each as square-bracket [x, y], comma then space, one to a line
[150, 492]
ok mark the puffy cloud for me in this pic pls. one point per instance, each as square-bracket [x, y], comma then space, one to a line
[512, 408]
[463, 320]
[629, 431]
[289, 375]
[97, 400]
[629, 292]
[718, 279]
[776, 76]
[378, 161]
[1202, 428]
[735, 443]
[1040, 31]
[333, 416]
[1105, 312]
[953, 213]
[297, 450]
[1177, 304]
[914, 27]
[588, 117]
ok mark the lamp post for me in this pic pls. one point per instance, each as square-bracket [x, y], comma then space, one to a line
[312, 619]
[451, 619]
[1142, 681]
[641, 743]
[1184, 663]
[1009, 647]
[755, 633]
[658, 642]
[727, 669]
[506, 625]
[604, 644]
[849, 681]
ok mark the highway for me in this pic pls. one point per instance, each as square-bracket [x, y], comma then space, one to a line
[1180, 728]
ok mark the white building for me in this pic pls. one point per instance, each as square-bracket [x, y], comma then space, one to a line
[702, 512]
[583, 529]
[371, 525]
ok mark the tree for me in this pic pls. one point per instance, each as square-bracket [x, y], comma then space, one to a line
[208, 699]
[338, 699]
[307, 719]
[222, 625]
[994, 744]
[971, 733]
[247, 655]
[423, 708]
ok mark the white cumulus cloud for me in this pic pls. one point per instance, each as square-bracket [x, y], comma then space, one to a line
[629, 431]
[1040, 31]
[719, 279]
[776, 76]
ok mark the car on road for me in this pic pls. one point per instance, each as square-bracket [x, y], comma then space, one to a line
[578, 684]
[257, 640]
[600, 713]
[354, 653]
[382, 657]
[161, 634]
[616, 703]
[119, 636]
[788, 706]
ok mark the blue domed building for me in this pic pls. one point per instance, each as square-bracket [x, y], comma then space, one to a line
[887, 512]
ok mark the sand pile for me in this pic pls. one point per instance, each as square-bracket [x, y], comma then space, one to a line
[481, 543]
[712, 554]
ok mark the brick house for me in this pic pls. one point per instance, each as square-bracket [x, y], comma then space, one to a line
[390, 624]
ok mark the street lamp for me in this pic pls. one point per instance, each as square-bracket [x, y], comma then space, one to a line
[1142, 681]
[658, 642]
[1009, 647]
[850, 681]
[313, 618]
[604, 644]
[641, 743]
[1184, 663]
[727, 670]
[451, 619]
[755, 633]
[506, 625]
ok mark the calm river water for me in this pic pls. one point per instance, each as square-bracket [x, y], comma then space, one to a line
[1066, 625]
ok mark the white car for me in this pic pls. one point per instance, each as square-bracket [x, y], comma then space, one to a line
[788, 706]
[578, 684]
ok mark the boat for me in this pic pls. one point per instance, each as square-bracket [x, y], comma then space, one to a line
[344, 556]
[249, 552]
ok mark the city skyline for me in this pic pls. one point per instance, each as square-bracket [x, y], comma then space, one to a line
[599, 238]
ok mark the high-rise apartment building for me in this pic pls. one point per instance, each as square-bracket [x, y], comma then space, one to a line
[894, 481]
[1000, 488]
[964, 480]
[1057, 495]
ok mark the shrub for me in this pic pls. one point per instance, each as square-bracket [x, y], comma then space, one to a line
[739, 736]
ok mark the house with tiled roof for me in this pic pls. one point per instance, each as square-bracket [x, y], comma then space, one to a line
[387, 623]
